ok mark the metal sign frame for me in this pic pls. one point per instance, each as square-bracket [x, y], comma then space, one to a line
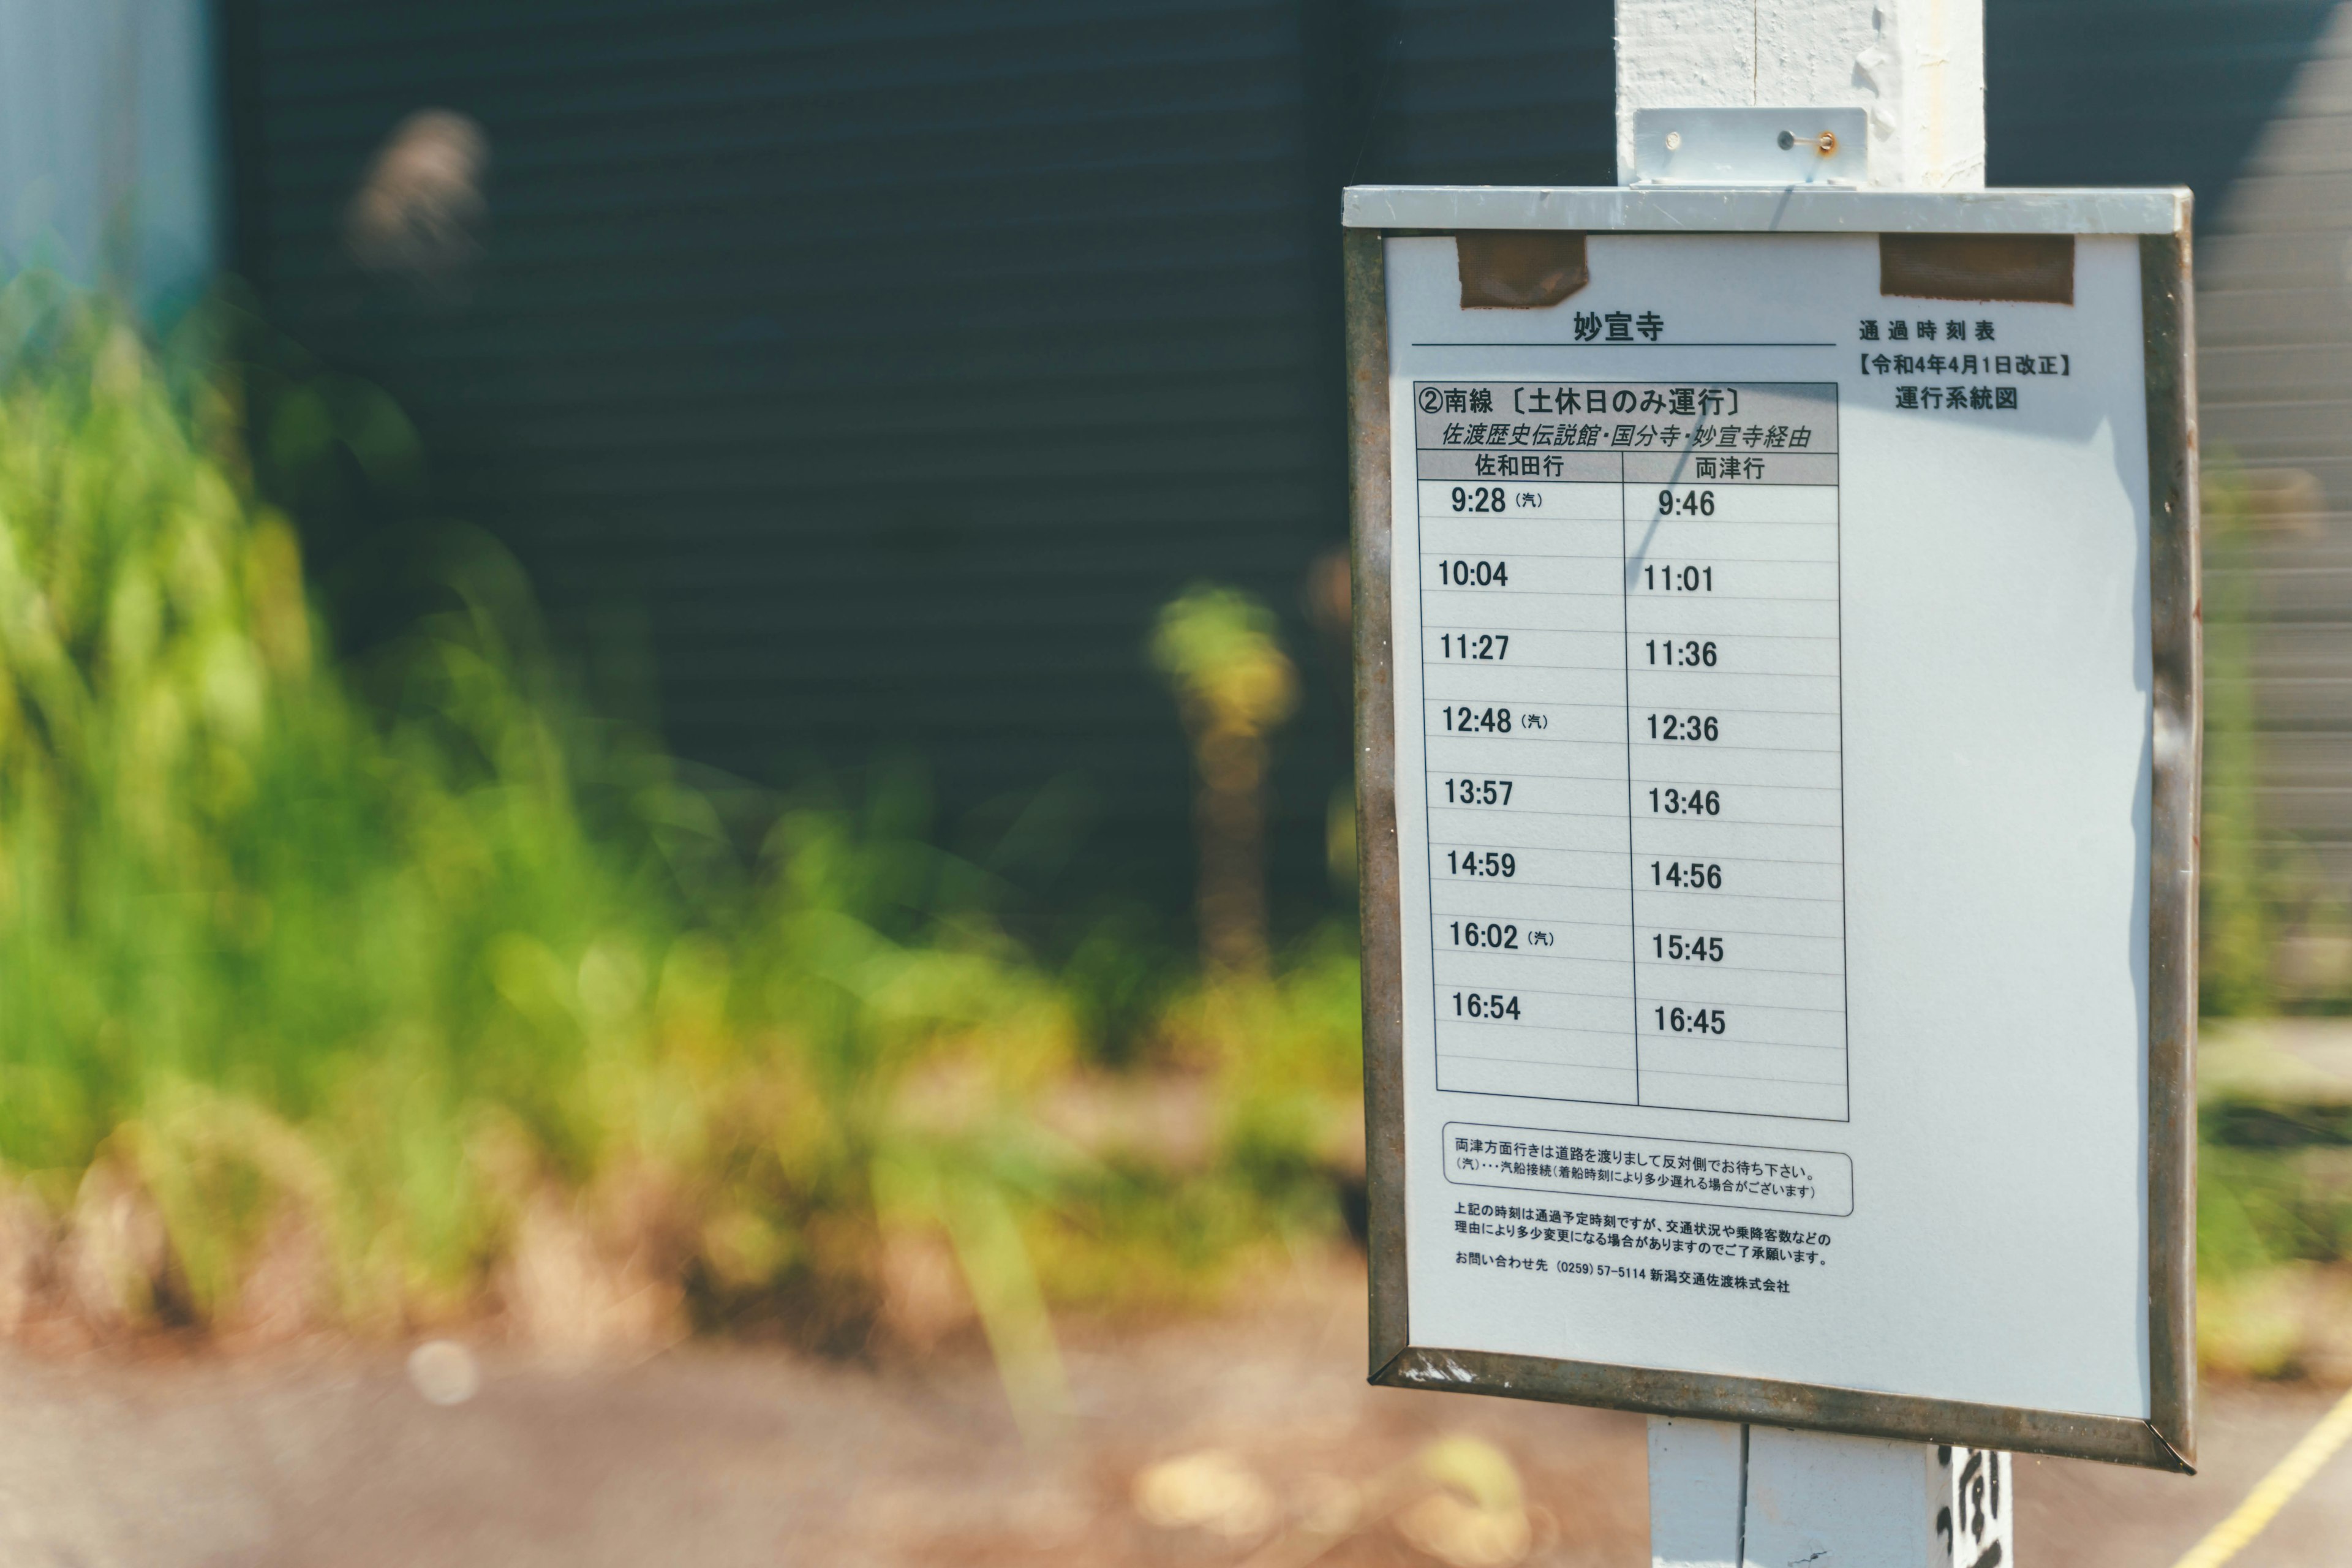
[2160, 218]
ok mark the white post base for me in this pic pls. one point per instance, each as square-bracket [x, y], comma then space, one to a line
[1723, 1496]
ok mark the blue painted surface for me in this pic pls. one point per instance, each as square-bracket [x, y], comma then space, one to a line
[108, 147]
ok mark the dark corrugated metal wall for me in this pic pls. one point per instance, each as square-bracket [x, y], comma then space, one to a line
[890, 365]
[2138, 92]
[887, 365]
[2245, 98]
[2275, 371]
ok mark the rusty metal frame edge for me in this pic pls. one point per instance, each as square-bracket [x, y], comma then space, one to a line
[2176, 744]
[1364, 259]
[2117, 1439]
[2166, 1440]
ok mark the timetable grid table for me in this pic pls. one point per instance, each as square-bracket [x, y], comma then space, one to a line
[1629, 597]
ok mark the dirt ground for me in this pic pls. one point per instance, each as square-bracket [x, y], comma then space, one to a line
[720, 1455]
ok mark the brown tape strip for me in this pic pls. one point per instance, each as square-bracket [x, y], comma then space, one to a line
[2035, 266]
[1519, 269]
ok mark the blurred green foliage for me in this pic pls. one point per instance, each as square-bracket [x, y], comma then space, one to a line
[1218, 646]
[2274, 1231]
[2274, 1185]
[416, 974]
[1234, 687]
[2264, 1201]
[2238, 877]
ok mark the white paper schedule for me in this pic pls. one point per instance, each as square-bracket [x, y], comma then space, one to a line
[1630, 671]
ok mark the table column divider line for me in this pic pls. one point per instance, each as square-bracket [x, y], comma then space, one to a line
[1625, 664]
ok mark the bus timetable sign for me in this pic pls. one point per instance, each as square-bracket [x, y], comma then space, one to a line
[1778, 776]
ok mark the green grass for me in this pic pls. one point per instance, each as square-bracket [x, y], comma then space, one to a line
[402, 975]
[2274, 1231]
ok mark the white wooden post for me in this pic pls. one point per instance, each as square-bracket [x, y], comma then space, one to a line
[1916, 66]
[1763, 1497]
[1723, 1496]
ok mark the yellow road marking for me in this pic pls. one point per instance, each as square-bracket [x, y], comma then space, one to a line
[2272, 1492]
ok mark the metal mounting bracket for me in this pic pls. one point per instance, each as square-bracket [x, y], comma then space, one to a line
[1751, 147]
